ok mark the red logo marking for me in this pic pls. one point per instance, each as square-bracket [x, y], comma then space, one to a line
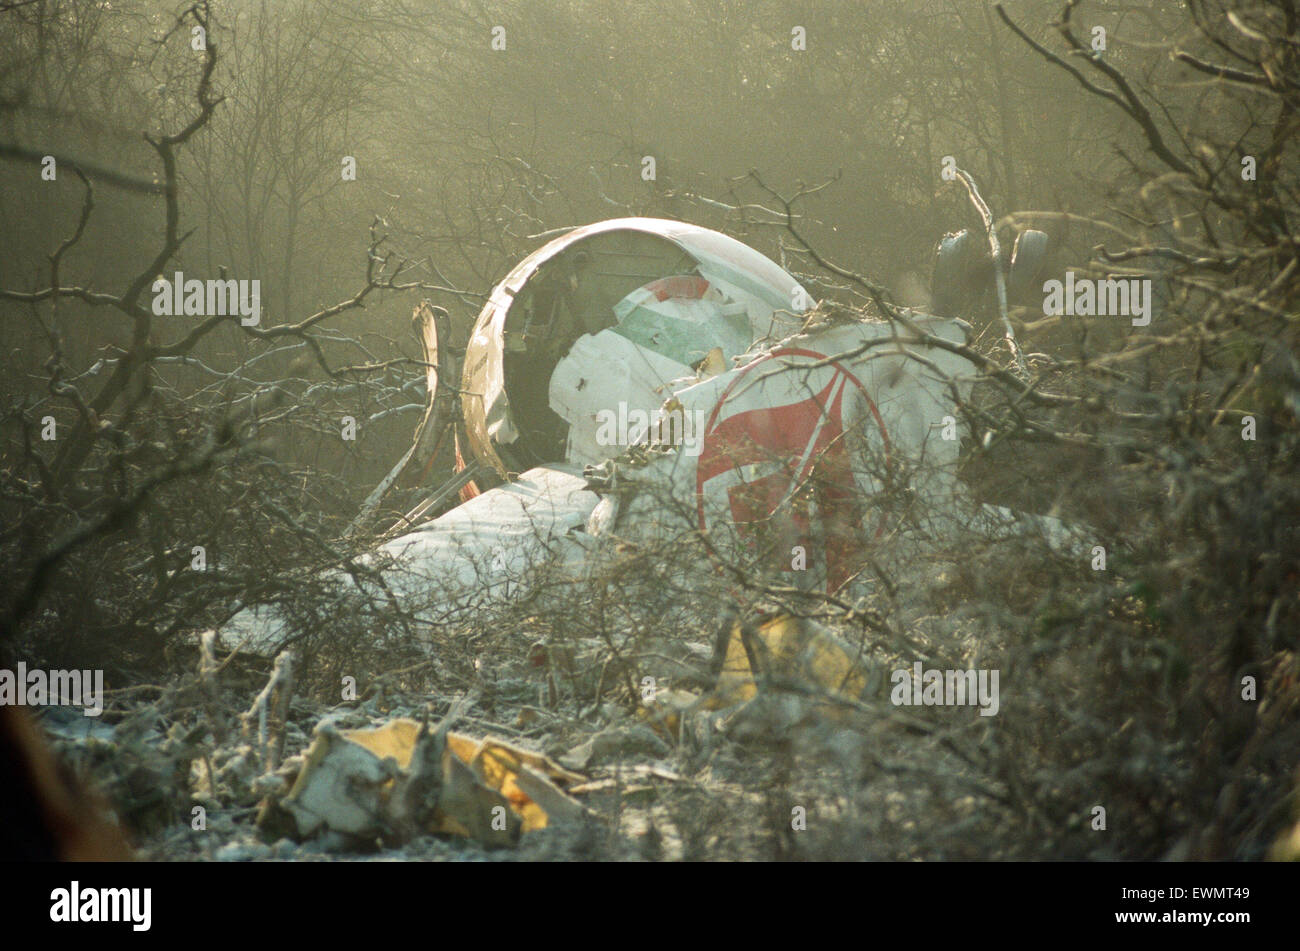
[799, 456]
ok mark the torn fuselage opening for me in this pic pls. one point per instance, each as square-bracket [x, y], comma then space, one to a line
[616, 315]
[570, 295]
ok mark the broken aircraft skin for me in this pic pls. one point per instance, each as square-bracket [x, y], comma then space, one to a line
[638, 367]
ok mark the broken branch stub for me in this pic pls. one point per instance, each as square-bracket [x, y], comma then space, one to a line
[432, 327]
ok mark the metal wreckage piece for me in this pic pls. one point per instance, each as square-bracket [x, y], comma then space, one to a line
[395, 781]
[636, 338]
[626, 372]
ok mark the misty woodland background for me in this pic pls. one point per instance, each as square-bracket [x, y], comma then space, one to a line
[1121, 688]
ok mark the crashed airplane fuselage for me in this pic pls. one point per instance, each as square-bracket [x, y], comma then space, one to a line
[638, 371]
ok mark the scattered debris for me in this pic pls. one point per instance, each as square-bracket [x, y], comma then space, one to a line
[401, 779]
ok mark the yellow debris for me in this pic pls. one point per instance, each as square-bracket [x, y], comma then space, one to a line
[494, 763]
[793, 649]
